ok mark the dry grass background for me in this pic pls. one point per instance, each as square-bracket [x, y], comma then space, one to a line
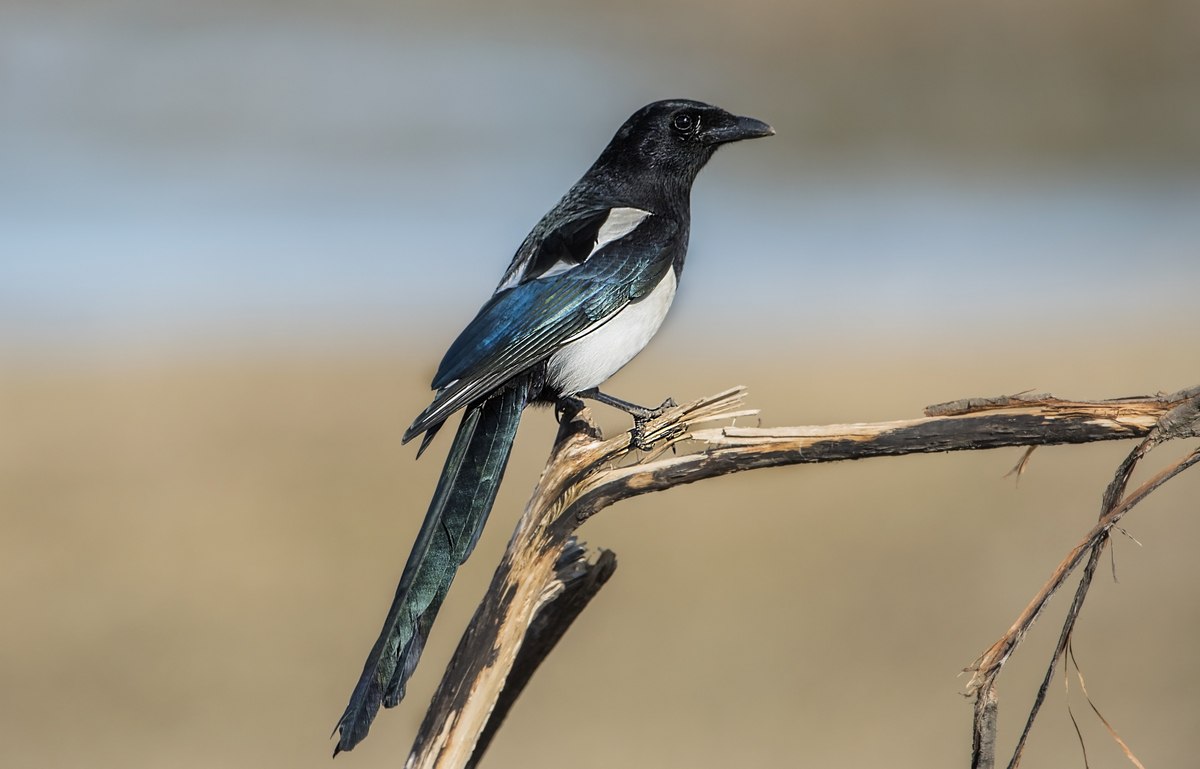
[196, 555]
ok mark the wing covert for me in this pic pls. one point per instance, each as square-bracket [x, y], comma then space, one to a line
[524, 324]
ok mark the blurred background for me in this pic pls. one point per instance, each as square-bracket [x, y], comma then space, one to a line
[236, 237]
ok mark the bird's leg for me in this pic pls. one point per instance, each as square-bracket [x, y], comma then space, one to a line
[637, 412]
[641, 415]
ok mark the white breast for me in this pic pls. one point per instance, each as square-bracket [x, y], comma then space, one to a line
[594, 357]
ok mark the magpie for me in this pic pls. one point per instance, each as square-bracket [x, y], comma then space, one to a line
[585, 292]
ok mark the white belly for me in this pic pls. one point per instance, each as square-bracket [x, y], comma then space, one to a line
[590, 360]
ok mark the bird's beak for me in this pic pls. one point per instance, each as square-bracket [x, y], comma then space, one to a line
[737, 129]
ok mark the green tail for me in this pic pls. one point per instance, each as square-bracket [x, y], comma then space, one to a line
[464, 497]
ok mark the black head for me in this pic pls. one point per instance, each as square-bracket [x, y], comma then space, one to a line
[675, 138]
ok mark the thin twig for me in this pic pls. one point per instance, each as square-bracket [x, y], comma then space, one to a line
[983, 743]
[1181, 421]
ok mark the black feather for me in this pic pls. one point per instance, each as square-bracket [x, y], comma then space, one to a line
[456, 515]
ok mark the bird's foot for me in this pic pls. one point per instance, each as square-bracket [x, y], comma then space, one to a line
[639, 436]
[566, 407]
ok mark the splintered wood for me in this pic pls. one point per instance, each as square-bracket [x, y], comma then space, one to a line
[546, 577]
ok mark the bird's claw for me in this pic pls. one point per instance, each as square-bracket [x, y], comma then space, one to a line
[639, 437]
[566, 408]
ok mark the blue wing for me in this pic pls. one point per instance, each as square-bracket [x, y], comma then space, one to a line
[523, 325]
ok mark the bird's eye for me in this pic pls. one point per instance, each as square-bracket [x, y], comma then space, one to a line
[682, 122]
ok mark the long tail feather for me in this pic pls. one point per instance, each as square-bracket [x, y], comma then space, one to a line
[457, 514]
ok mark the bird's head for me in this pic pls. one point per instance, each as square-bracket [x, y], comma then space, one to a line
[675, 138]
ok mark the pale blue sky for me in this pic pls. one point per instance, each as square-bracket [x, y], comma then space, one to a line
[235, 176]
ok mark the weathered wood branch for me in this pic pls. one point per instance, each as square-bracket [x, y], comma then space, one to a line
[545, 578]
[1182, 421]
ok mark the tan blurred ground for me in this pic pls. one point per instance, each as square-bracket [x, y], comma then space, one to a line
[196, 557]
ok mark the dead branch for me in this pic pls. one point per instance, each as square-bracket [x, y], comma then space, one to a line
[1182, 421]
[545, 578]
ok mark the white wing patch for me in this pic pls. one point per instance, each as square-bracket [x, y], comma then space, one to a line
[620, 222]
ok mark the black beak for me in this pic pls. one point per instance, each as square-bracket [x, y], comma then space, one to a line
[736, 129]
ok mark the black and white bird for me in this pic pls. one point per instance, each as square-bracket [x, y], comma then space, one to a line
[583, 295]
